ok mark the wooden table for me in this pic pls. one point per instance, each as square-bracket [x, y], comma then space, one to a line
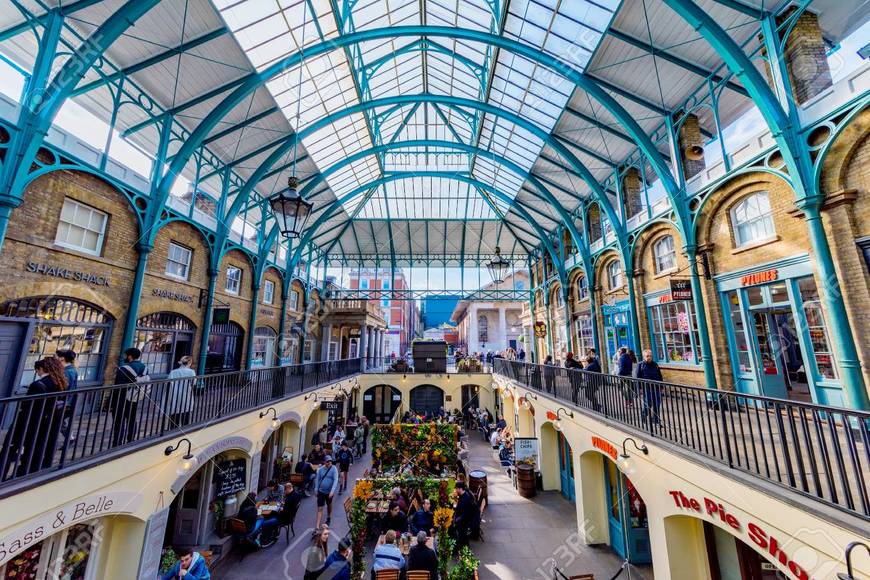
[266, 510]
[377, 506]
[405, 547]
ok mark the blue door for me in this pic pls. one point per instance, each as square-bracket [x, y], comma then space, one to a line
[617, 329]
[627, 517]
[566, 469]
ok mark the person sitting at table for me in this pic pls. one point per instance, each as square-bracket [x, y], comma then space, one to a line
[387, 556]
[316, 455]
[292, 498]
[422, 557]
[273, 492]
[506, 455]
[494, 438]
[257, 526]
[394, 520]
[397, 496]
[422, 520]
[305, 469]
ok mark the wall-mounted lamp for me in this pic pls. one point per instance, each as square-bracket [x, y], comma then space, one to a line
[187, 462]
[849, 575]
[275, 422]
[404, 378]
[557, 424]
[625, 458]
[526, 404]
[314, 402]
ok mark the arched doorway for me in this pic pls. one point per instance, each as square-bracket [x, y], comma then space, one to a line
[426, 399]
[380, 402]
[265, 340]
[626, 516]
[163, 338]
[224, 348]
[470, 397]
[566, 468]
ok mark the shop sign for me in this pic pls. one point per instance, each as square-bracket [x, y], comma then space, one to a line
[541, 329]
[526, 451]
[66, 274]
[220, 316]
[41, 527]
[266, 312]
[665, 298]
[605, 446]
[760, 277]
[681, 289]
[551, 416]
[770, 545]
[231, 477]
[170, 295]
[330, 406]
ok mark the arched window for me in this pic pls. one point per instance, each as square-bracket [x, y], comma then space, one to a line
[582, 288]
[752, 220]
[482, 329]
[264, 347]
[163, 338]
[614, 275]
[664, 253]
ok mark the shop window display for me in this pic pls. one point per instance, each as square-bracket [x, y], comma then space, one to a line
[67, 555]
[675, 333]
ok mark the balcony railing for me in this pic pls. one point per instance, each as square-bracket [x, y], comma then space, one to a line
[51, 432]
[820, 452]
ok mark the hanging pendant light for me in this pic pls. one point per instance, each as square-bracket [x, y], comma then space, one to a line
[290, 209]
[498, 267]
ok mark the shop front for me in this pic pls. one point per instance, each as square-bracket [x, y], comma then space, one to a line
[583, 332]
[225, 342]
[626, 516]
[777, 334]
[71, 554]
[617, 327]
[163, 338]
[265, 343]
[673, 329]
[35, 327]
[566, 468]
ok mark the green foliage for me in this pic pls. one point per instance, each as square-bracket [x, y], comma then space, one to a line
[167, 560]
[465, 567]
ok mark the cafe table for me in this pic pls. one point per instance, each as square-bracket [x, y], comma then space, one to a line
[266, 509]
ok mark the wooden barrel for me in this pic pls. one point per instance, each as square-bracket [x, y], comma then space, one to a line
[526, 480]
[477, 481]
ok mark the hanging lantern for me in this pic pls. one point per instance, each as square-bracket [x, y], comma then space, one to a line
[290, 209]
[498, 267]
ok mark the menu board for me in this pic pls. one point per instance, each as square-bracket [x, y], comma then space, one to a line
[152, 548]
[231, 477]
[526, 451]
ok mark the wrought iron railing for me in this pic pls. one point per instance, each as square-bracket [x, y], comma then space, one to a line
[51, 432]
[821, 452]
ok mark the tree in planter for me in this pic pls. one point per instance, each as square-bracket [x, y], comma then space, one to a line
[466, 567]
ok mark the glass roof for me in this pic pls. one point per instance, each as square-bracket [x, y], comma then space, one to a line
[269, 30]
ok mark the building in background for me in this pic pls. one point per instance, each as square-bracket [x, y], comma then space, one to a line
[400, 312]
[494, 324]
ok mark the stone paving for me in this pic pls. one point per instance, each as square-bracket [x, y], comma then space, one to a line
[522, 536]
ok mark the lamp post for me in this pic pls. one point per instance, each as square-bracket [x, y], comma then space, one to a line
[291, 211]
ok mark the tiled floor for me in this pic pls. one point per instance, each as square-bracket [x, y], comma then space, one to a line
[523, 537]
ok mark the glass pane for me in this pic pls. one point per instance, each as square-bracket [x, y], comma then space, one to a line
[755, 296]
[778, 293]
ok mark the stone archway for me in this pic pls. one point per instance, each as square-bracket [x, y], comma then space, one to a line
[380, 403]
[426, 399]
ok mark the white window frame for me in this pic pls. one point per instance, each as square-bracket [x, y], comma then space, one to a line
[268, 292]
[664, 250]
[186, 265]
[762, 221]
[101, 233]
[615, 278]
[294, 300]
[237, 287]
[582, 288]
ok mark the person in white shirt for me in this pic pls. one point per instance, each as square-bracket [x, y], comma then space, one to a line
[179, 393]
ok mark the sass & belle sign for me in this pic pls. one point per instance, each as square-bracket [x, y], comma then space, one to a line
[43, 526]
[66, 273]
[771, 546]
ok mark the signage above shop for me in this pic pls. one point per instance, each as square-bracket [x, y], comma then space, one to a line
[681, 289]
[220, 315]
[66, 274]
[170, 295]
[551, 416]
[330, 406]
[541, 329]
[605, 446]
[266, 312]
[760, 277]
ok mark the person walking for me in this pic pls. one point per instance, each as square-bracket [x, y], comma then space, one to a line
[124, 401]
[574, 377]
[648, 370]
[32, 438]
[466, 516]
[325, 485]
[344, 459]
[549, 373]
[624, 368]
[180, 393]
[590, 382]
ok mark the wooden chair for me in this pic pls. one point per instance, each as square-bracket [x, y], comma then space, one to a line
[348, 506]
[387, 575]
[482, 503]
[418, 575]
[297, 479]
[288, 525]
[207, 555]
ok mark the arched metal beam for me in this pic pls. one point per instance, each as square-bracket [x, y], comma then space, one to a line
[597, 191]
[581, 80]
[400, 176]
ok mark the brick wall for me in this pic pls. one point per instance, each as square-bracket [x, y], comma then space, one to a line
[240, 305]
[689, 138]
[270, 314]
[805, 58]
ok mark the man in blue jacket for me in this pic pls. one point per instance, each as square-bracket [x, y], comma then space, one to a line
[648, 370]
[190, 566]
[325, 485]
[337, 565]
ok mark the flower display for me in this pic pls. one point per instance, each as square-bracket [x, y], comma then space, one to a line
[443, 518]
[420, 449]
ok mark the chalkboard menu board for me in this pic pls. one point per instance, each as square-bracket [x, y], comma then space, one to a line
[230, 477]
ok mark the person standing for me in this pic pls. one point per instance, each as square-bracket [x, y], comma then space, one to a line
[590, 382]
[31, 441]
[67, 358]
[317, 554]
[648, 370]
[466, 516]
[344, 459]
[124, 401]
[549, 373]
[337, 565]
[180, 393]
[624, 368]
[190, 566]
[325, 485]
[366, 427]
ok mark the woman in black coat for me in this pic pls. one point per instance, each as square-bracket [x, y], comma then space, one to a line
[31, 441]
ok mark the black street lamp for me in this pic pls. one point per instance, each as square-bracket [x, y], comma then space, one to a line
[290, 209]
[498, 267]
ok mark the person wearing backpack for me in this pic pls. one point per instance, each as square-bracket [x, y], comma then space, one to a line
[124, 402]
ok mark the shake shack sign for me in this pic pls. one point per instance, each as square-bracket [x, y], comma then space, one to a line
[66, 273]
[169, 295]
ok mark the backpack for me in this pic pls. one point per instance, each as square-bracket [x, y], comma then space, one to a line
[141, 390]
